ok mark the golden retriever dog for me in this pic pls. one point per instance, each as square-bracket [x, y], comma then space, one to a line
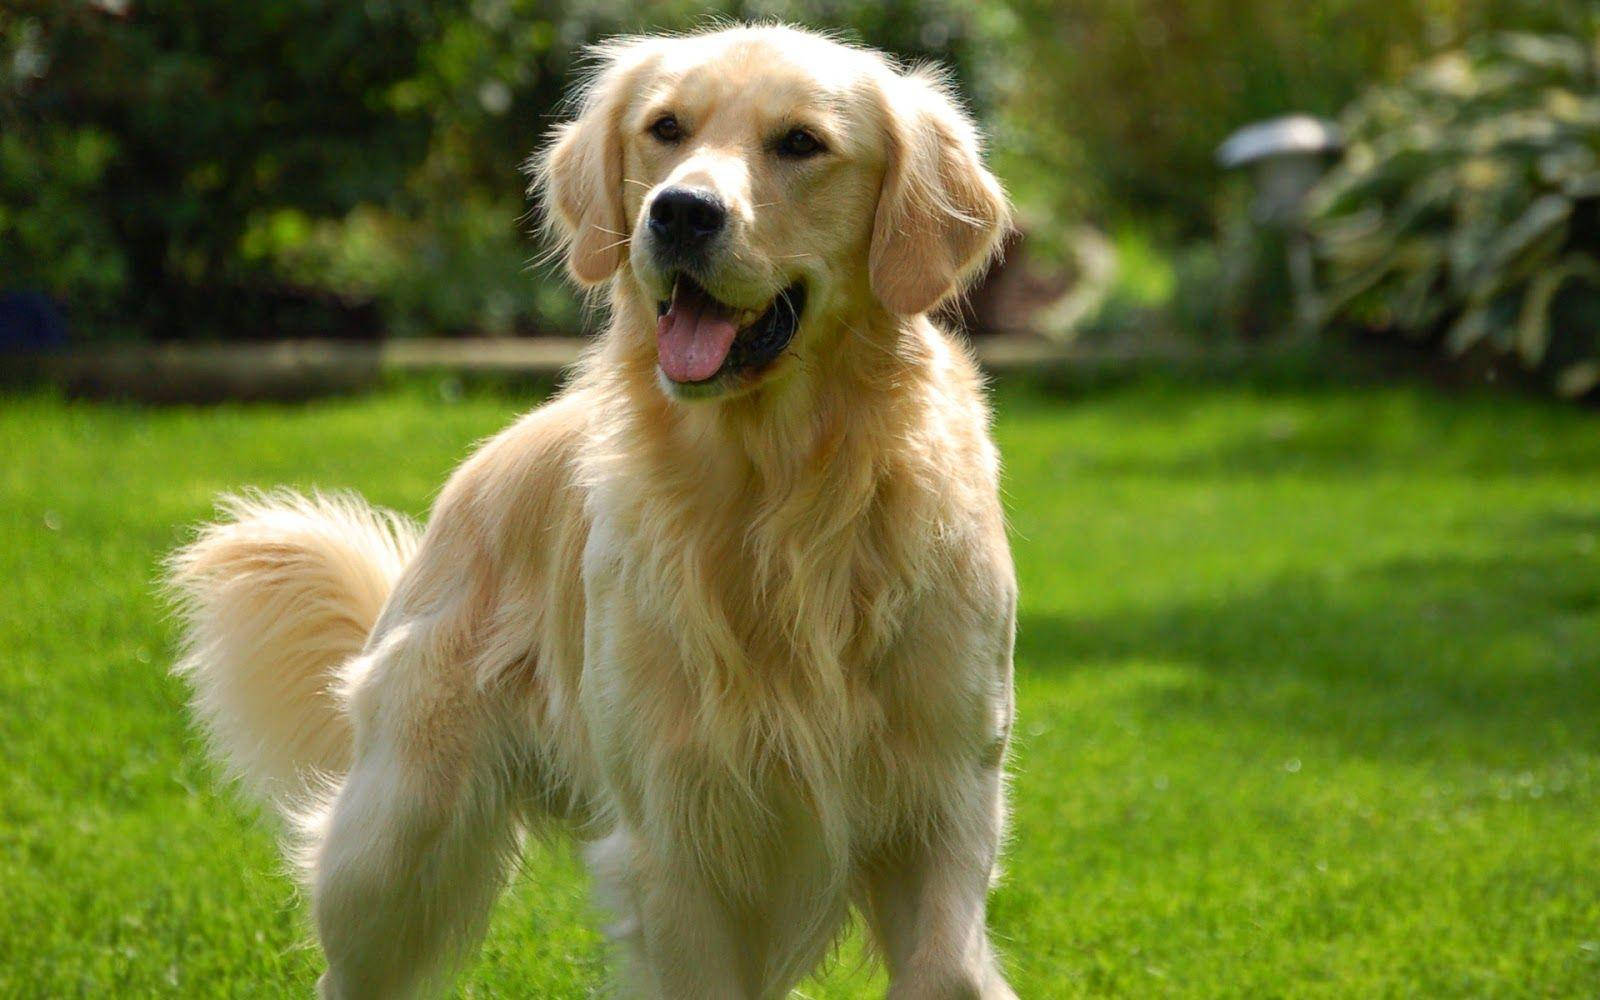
[737, 604]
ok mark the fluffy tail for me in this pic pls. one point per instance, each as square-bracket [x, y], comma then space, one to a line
[276, 598]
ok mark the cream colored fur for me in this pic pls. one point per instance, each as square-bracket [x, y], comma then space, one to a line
[756, 647]
[280, 597]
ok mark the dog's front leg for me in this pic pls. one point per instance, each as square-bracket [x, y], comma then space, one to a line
[925, 904]
[677, 936]
[410, 855]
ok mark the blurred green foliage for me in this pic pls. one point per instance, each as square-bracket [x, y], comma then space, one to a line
[200, 116]
[304, 167]
[1467, 212]
[300, 167]
[1112, 111]
[1115, 108]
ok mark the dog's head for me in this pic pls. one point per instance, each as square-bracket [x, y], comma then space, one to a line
[755, 185]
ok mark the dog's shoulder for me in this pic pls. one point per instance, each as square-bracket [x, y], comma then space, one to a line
[520, 481]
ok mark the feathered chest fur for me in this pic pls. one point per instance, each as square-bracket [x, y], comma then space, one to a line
[774, 594]
[752, 586]
[763, 583]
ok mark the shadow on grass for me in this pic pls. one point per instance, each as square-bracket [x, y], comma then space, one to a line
[1490, 660]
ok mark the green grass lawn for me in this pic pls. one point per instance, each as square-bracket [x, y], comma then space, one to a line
[1309, 698]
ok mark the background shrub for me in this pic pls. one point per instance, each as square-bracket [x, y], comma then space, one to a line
[295, 168]
[1467, 211]
[1132, 97]
[309, 168]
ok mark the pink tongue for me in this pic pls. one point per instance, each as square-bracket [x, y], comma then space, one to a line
[693, 339]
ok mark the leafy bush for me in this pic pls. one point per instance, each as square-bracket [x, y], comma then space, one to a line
[52, 239]
[236, 168]
[455, 246]
[1467, 211]
[1113, 108]
[299, 167]
[200, 115]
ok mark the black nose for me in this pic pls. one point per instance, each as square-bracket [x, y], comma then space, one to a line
[686, 219]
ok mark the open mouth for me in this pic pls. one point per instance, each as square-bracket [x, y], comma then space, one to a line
[701, 341]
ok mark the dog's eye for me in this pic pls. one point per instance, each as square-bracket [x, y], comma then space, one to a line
[799, 144]
[666, 129]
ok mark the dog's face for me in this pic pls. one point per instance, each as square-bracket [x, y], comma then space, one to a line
[756, 186]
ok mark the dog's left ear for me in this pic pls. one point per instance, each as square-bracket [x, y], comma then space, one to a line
[941, 214]
[580, 172]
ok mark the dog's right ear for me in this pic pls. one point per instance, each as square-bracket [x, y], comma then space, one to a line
[579, 173]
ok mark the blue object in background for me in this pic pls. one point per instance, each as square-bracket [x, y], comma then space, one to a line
[31, 323]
